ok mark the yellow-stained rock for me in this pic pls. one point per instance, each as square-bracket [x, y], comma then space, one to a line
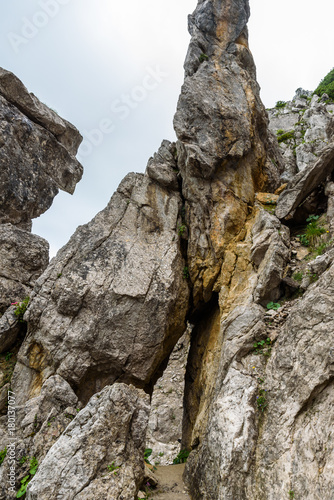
[281, 189]
[267, 198]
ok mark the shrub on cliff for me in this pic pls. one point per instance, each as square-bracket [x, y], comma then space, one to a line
[326, 86]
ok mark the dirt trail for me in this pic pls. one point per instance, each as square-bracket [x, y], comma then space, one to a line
[171, 486]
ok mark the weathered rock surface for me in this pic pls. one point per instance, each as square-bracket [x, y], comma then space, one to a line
[38, 424]
[23, 258]
[9, 329]
[100, 454]
[112, 304]
[37, 151]
[164, 431]
[233, 319]
[221, 125]
[240, 440]
[192, 240]
[13, 90]
[306, 181]
[163, 166]
[304, 127]
[270, 252]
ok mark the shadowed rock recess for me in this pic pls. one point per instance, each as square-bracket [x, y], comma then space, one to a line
[209, 243]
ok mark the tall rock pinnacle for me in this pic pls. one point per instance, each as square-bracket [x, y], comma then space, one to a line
[221, 124]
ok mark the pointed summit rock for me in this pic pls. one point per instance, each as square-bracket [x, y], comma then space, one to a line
[224, 152]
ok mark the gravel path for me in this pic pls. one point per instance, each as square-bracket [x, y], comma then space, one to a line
[171, 486]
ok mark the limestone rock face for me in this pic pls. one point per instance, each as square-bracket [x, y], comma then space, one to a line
[100, 454]
[286, 427]
[221, 125]
[23, 258]
[37, 158]
[271, 253]
[304, 127]
[194, 240]
[164, 431]
[305, 182]
[37, 151]
[13, 90]
[231, 322]
[112, 304]
[163, 166]
[9, 329]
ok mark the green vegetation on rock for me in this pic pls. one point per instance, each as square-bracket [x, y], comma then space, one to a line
[280, 104]
[326, 86]
[286, 136]
[3, 454]
[25, 481]
[181, 458]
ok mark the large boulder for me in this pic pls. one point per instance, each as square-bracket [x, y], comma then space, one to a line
[13, 90]
[304, 183]
[23, 258]
[37, 158]
[101, 453]
[37, 150]
[112, 304]
[9, 329]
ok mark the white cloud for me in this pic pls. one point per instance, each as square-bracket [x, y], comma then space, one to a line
[292, 45]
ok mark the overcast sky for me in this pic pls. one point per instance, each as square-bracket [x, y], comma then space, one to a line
[101, 60]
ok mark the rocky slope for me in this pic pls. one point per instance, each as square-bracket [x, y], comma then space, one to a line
[37, 158]
[206, 237]
[303, 126]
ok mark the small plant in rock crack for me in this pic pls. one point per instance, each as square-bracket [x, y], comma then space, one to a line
[291, 494]
[261, 400]
[113, 468]
[181, 457]
[286, 137]
[181, 229]
[313, 276]
[25, 481]
[298, 276]
[280, 104]
[21, 308]
[273, 305]
[313, 231]
[3, 454]
[263, 347]
[203, 57]
[320, 249]
[147, 453]
[50, 421]
[185, 273]
[303, 239]
[68, 415]
[147, 487]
